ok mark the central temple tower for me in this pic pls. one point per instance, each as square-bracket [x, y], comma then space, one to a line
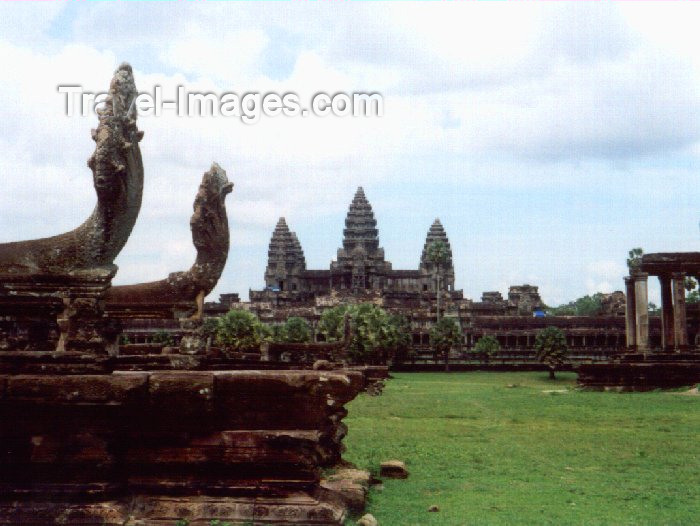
[360, 263]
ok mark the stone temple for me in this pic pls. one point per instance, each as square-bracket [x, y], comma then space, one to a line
[360, 267]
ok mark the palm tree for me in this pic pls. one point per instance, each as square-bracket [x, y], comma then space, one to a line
[443, 336]
[634, 259]
[550, 344]
[438, 254]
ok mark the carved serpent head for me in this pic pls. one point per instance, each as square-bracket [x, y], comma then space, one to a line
[209, 223]
[115, 137]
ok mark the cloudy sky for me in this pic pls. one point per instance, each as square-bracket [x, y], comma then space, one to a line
[549, 138]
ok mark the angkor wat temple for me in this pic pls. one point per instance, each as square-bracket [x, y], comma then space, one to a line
[361, 273]
[360, 266]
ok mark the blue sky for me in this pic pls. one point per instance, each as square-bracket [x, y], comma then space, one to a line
[549, 138]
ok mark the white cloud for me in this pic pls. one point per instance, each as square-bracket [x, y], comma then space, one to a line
[605, 276]
[498, 99]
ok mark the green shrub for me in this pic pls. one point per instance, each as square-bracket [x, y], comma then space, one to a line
[376, 336]
[487, 346]
[241, 331]
[163, 337]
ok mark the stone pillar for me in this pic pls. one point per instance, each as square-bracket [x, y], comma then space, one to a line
[83, 328]
[641, 311]
[630, 315]
[193, 341]
[667, 326]
[679, 321]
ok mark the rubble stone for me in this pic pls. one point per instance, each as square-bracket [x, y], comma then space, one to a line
[393, 469]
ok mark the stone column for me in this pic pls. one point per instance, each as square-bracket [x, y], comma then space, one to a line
[82, 326]
[667, 326]
[641, 311]
[679, 321]
[630, 315]
[193, 341]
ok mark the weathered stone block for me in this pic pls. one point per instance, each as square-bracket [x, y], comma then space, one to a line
[393, 469]
[202, 445]
[116, 389]
[181, 394]
[350, 486]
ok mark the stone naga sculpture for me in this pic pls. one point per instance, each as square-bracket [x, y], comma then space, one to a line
[117, 171]
[57, 284]
[184, 292]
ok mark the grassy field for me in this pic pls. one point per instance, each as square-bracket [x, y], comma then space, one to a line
[517, 448]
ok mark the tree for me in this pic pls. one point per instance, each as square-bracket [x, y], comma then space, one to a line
[332, 323]
[693, 297]
[689, 283]
[164, 338]
[276, 331]
[584, 306]
[241, 331]
[444, 335]
[438, 254]
[400, 335]
[693, 294]
[634, 259]
[372, 335]
[375, 334]
[487, 346]
[296, 330]
[550, 344]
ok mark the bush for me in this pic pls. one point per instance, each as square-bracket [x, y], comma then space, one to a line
[296, 330]
[487, 346]
[241, 331]
[444, 335]
[164, 338]
[376, 336]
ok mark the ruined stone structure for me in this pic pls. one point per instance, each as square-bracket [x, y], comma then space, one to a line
[670, 360]
[360, 267]
[671, 269]
[522, 300]
[614, 304]
[93, 439]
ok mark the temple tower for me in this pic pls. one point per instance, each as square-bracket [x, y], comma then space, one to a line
[285, 259]
[360, 262]
[428, 268]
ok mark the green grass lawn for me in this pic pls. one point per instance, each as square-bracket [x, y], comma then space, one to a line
[487, 453]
